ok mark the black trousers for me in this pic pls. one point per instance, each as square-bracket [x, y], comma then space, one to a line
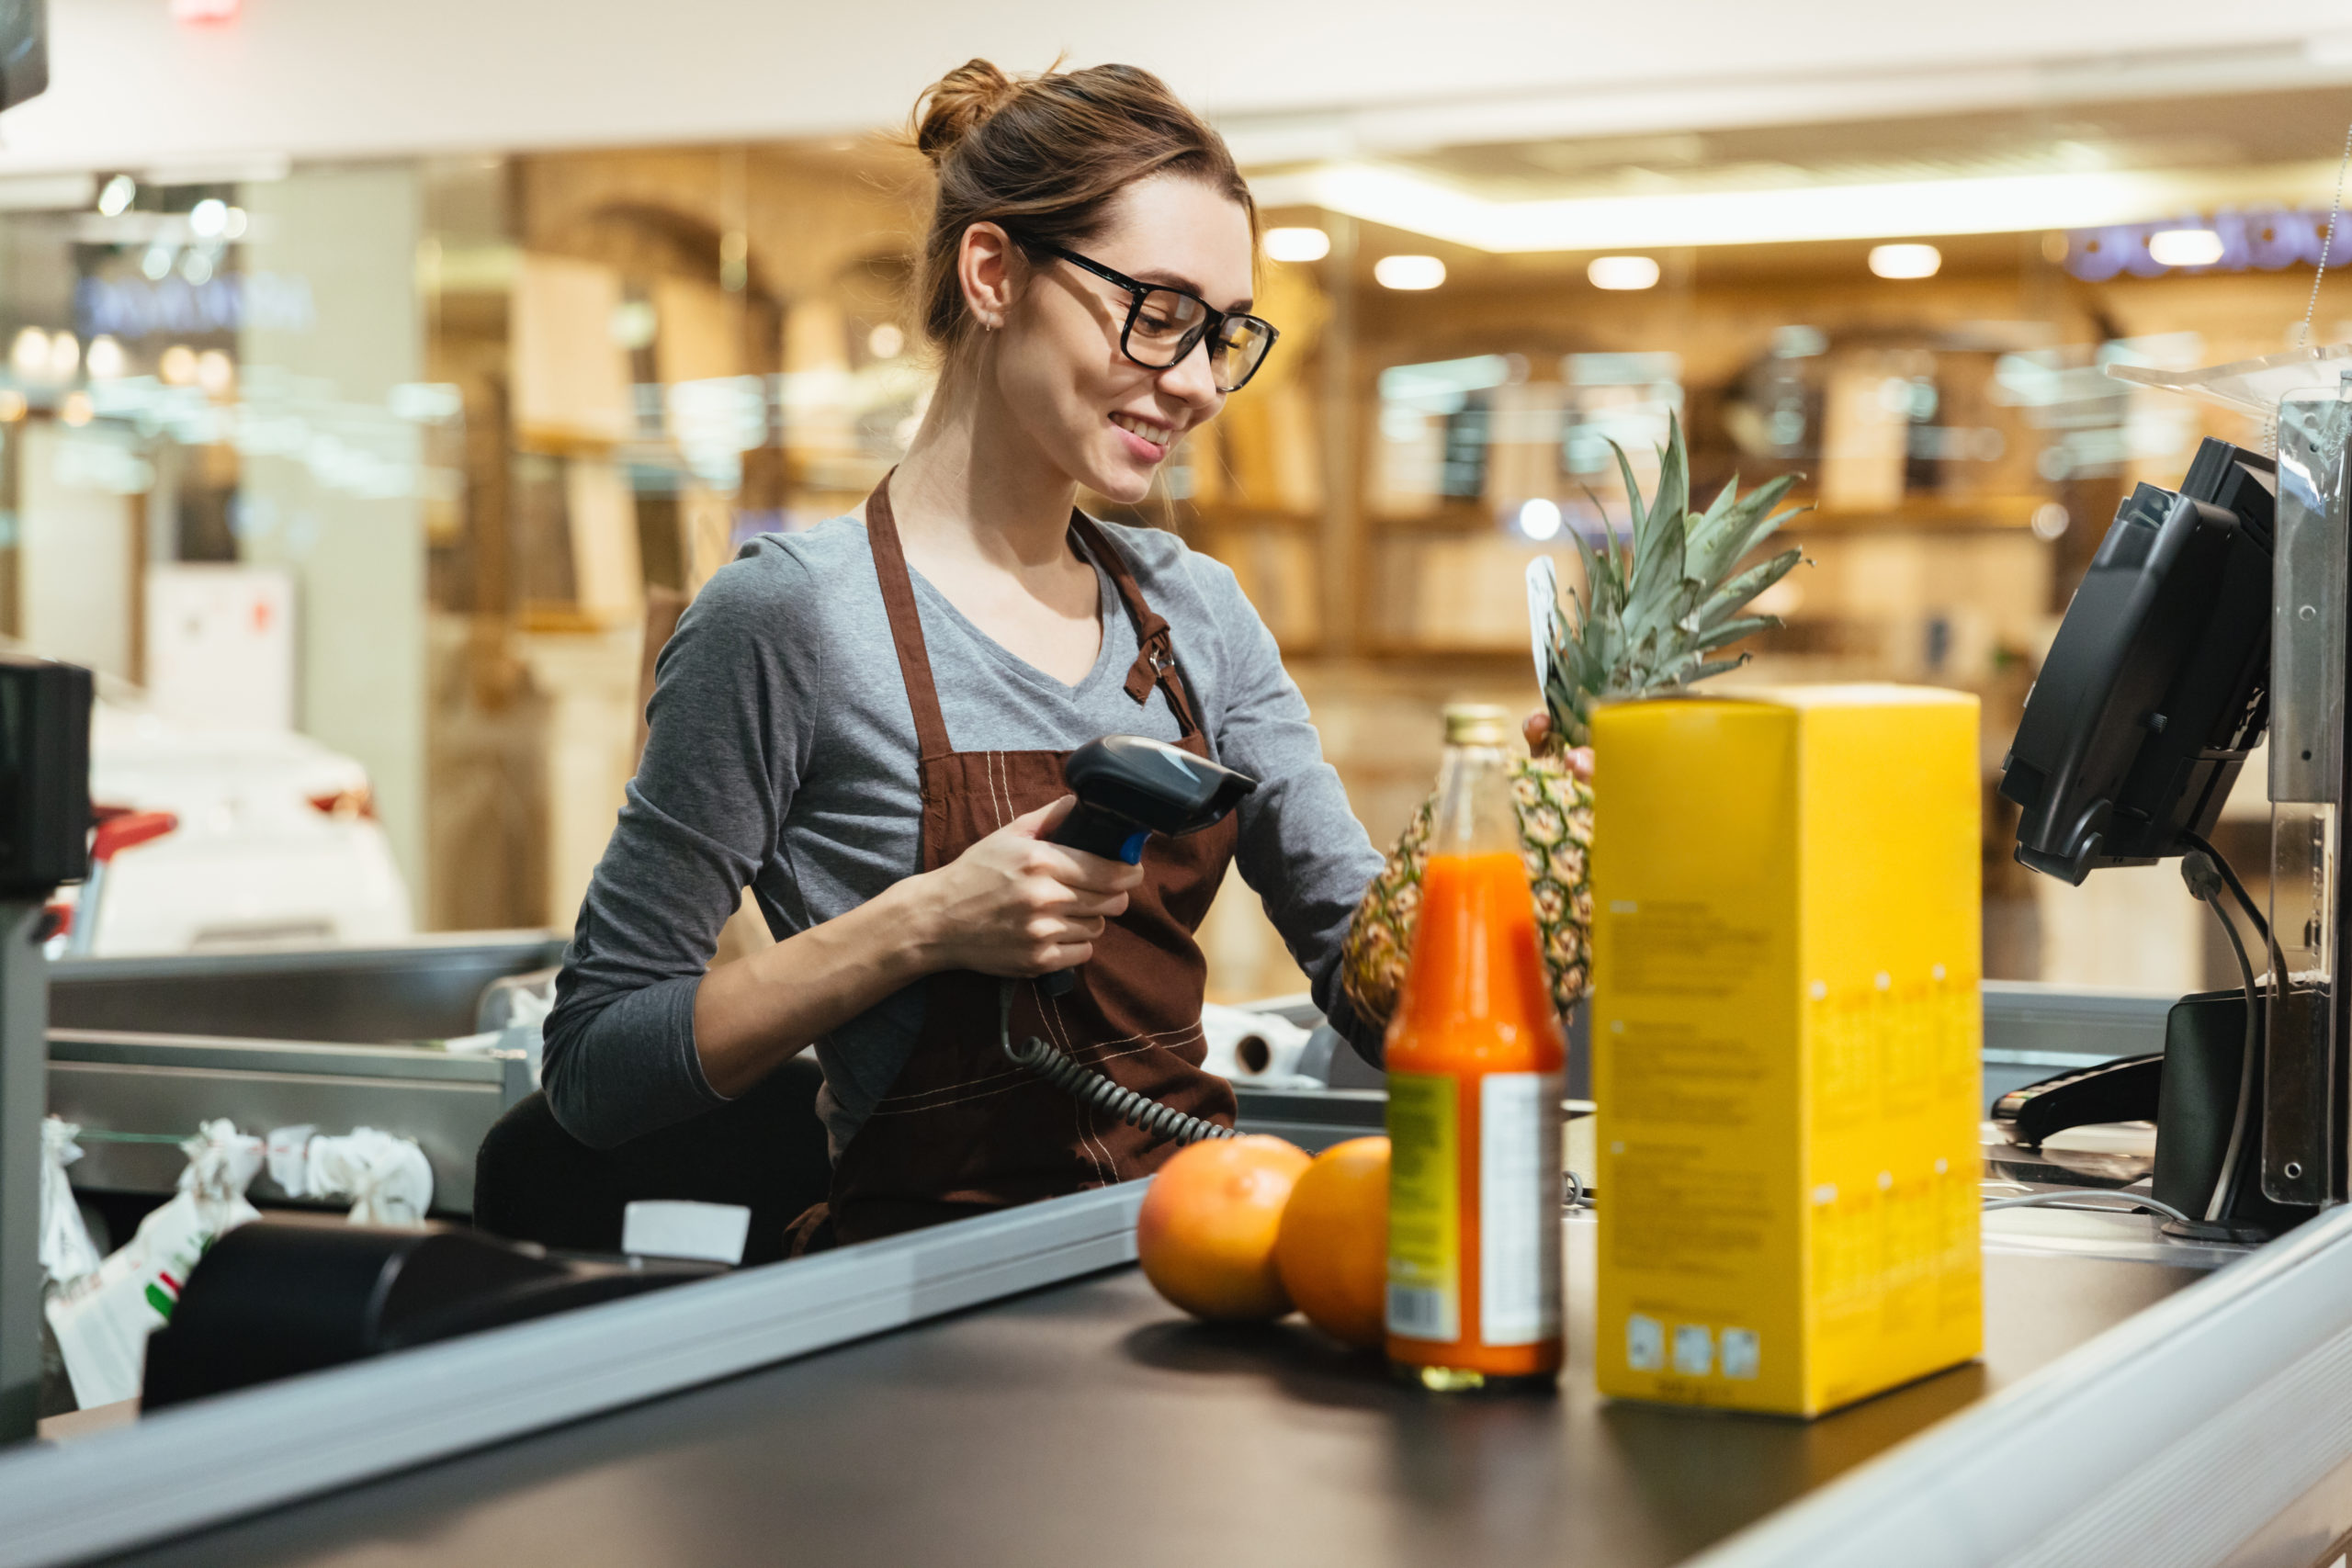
[534, 1181]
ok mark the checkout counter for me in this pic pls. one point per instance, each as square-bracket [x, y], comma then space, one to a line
[1009, 1390]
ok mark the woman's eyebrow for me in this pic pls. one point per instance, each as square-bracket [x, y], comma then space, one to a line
[1178, 280]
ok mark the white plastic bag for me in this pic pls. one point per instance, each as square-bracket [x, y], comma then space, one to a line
[102, 1321]
[387, 1177]
[67, 1252]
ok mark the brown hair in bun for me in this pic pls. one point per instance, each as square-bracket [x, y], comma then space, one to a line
[1044, 157]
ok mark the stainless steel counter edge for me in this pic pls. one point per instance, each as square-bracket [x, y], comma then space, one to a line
[2164, 1443]
[181, 1470]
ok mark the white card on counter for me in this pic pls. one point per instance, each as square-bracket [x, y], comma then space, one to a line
[713, 1233]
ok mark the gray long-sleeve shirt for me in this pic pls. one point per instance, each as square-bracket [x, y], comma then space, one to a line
[782, 758]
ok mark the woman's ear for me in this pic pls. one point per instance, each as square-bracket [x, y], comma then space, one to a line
[988, 268]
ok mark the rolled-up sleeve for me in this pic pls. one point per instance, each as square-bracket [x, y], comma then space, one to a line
[731, 722]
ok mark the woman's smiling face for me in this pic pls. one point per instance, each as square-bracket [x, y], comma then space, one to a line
[1103, 421]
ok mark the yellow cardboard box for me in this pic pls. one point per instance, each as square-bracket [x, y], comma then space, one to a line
[1787, 936]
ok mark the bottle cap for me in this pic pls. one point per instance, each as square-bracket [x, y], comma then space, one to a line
[1476, 724]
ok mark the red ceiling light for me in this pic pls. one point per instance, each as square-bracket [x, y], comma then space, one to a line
[207, 12]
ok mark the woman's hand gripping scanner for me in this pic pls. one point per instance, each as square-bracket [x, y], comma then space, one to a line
[1128, 788]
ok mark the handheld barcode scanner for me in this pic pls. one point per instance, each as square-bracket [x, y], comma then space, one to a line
[1128, 788]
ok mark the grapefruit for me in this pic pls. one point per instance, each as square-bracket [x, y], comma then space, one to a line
[1332, 1248]
[1206, 1233]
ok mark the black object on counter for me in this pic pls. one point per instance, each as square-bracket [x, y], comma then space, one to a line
[280, 1296]
[44, 774]
[2157, 684]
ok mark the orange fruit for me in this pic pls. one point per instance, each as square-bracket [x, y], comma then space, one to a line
[1205, 1234]
[1332, 1249]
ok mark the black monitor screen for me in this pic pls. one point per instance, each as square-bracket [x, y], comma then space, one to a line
[2156, 685]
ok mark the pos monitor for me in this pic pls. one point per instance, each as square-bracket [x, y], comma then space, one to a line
[2156, 685]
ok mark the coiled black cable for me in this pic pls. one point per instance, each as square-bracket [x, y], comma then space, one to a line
[1093, 1089]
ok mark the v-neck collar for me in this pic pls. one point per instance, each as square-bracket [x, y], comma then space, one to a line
[1108, 612]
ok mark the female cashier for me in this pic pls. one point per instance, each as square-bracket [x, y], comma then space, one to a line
[865, 723]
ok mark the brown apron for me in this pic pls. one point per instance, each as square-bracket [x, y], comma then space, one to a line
[963, 1131]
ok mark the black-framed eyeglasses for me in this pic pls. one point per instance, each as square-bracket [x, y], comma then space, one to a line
[1164, 324]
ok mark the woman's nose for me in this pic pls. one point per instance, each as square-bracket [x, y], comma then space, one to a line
[1192, 380]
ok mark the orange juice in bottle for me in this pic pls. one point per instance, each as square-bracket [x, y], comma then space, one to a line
[1475, 1055]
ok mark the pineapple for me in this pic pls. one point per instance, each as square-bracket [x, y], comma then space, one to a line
[1647, 619]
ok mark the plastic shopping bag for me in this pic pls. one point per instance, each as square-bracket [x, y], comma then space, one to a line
[387, 1177]
[67, 1251]
[102, 1320]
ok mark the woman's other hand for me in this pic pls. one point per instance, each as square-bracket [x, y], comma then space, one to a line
[1017, 906]
[1538, 731]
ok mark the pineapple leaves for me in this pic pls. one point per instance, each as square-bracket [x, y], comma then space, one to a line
[1651, 609]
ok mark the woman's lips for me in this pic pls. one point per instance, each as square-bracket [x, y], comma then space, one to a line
[1147, 441]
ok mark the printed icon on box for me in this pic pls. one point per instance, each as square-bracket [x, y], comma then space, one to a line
[1739, 1352]
[1644, 1343]
[1694, 1349]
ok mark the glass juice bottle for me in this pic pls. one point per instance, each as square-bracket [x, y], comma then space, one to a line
[1475, 1055]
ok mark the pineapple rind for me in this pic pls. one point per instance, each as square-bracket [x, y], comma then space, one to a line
[1554, 843]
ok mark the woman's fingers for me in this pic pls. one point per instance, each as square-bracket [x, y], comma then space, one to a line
[1040, 823]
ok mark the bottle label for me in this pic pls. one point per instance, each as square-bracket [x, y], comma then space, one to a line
[1424, 1208]
[1519, 1207]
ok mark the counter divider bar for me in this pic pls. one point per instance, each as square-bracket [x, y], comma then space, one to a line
[216, 1459]
[2165, 1442]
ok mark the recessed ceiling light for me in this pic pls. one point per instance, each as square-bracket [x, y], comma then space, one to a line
[1623, 272]
[1409, 272]
[1297, 244]
[1905, 260]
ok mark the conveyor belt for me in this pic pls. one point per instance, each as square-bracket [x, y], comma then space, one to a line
[1090, 1421]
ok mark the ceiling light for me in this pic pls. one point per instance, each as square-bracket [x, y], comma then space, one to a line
[106, 360]
[1297, 244]
[1905, 260]
[75, 407]
[216, 372]
[2002, 204]
[232, 226]
[207, 218]
[1623, 272]
[156, 265]
[1540, 519]
[29, 353]
[64, 355]
[1409, 272]
[12, 405]
[177, 365]
[120, 193]
[2185, 247]
[885, 342]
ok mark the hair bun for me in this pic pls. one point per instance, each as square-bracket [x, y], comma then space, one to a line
[959, 104]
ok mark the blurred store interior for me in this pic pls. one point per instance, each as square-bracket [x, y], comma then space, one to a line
[358, 444]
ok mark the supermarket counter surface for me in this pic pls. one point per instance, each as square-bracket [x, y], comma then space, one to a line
[1092, 1418]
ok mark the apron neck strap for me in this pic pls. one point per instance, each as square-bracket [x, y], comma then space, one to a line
[1155, 662]
[906, 624]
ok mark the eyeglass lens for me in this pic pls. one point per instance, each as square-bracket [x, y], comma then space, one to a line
[1167, 324]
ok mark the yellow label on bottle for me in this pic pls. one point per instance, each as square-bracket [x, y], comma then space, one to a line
[1424, 1208]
